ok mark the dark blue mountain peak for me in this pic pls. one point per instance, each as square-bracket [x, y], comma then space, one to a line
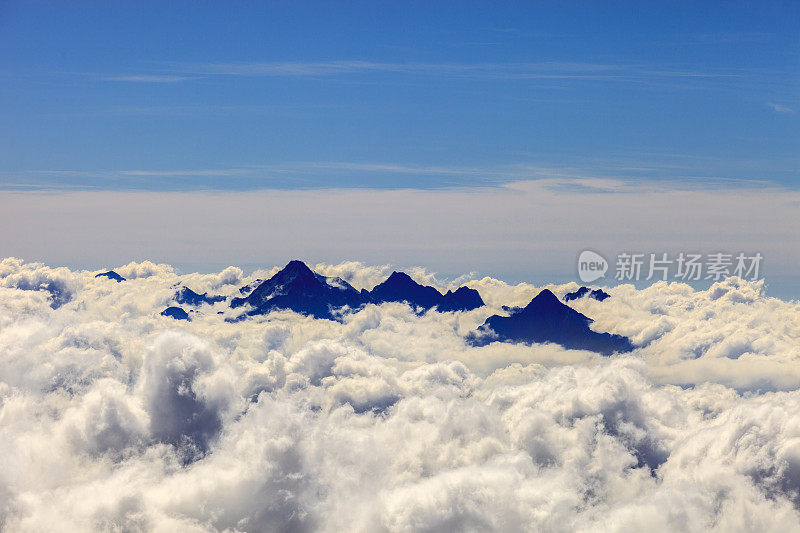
[597, 294]
[110, 275]
[295, 267]
[545, 299]
[297, 264]
[546, 319]
[300, 289]
[400, 287]
[580, 293]
[295, 272]
[187, 296]
[547, 306]
[463, 299]
[175, 312]
[400, 277]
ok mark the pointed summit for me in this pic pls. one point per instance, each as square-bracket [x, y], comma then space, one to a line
[300, 289]
[297, 267]
[294, 270]
[400, 287]
[400, 277]
[546, 319]
[545, 300]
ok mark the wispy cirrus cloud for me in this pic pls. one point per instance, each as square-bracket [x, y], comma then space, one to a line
[780, 108]
[167, 173]
[528, 70]
[682, 172]
[150, 78]
[544, 70]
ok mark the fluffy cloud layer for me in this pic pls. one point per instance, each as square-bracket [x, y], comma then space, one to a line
[113, 417]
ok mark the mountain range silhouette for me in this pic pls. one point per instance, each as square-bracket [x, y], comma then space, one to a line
[298, 288]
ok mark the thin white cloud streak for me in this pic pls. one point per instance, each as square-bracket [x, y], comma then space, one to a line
[682, 169]
[534, 227]
[546, 70]
[780, 108]
[150, 78]
[329, 68]
[167, 173]
[393, 168]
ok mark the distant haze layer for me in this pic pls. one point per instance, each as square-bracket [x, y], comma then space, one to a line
[531, 230]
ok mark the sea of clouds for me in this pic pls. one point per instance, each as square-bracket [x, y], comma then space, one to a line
[113, 417]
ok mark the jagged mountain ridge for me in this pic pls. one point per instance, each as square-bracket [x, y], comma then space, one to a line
[187, 296]
[546, 319]
[298, 288]
[597, 294]
[399, 287]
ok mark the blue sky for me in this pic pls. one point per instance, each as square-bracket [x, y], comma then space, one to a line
[497, 138]
[240, 96]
